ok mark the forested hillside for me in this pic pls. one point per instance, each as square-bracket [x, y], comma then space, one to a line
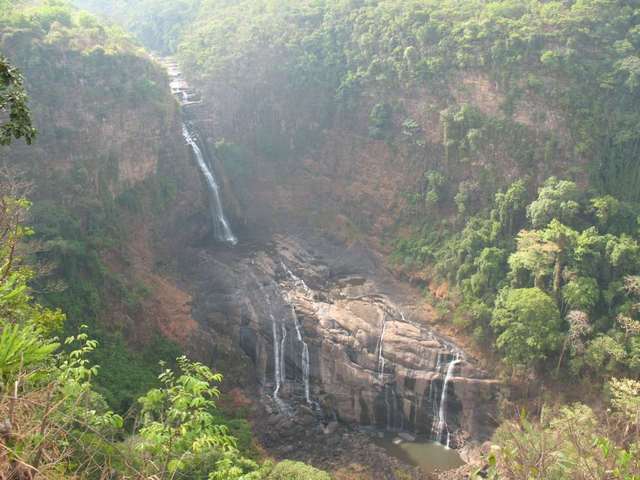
[490, 147]
[99, 106]
[486, 150]
[510, 129]
[83, 172]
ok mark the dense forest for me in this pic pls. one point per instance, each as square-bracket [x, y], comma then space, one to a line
[74, 407]
[487, 150]
[543, 265]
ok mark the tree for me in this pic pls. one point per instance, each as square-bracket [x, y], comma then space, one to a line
[581, 293]
[623, 254]
[380, 121]
[434, 183]
[528, 325]
[557, 199]
[579, 327]
[625, 399]
[510, 207]
[569, 444]
[606, 210]
[181, 432]
[605, 354]
[564, 238]
[534, 256]
[289, 470]
[491, 265]
[589, 256]
[13, 104]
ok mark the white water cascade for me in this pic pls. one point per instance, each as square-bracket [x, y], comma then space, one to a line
[434, 394]
[221, 226]
[441, 423]
[278, 365]
[299, 283]
[305, 357]
[283, 351]
[276, 356]
[381, 347]
[387, 405]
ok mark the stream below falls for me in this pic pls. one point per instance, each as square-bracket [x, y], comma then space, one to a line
[426, 454]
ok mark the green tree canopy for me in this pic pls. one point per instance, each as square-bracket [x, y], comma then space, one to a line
[557, 199]
[581, 293]
[528, 325]
[15, 120]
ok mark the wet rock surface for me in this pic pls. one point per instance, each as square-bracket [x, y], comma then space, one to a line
[347, 453]
[371, 356]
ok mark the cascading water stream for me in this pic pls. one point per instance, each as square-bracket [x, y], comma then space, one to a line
[299, 283]
[381, 347]
[387, 405]
[283, 375]
[276, 356]
[434, 395]
[305, 372]
[221, 226]
[438, 397]
[441, 424]
[278, 368]
[305, 356]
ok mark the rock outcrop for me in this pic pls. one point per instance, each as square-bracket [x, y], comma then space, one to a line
[330, 317]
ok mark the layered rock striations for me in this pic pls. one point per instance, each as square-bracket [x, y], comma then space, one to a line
[330, 319]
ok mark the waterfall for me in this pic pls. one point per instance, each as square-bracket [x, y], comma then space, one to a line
[381, 346]
[441, 424]
[299, 283]
[283, 349]
[221, 226]
[434, 394]
[305, 356]
[305, 372]
[180, 89]
[276, 356]
[387, 407]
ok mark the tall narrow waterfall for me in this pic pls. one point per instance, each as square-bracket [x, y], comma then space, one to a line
[221, 227]
[277, 376]
[434, 394]
[278, 357]
[305, 357]
[387, 405]
[441, 424]
[283, 351]
[381, 346]
[299, 283]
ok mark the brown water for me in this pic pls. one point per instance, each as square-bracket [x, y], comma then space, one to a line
[426, 454]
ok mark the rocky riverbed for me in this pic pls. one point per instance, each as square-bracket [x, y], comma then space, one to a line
[331, 340]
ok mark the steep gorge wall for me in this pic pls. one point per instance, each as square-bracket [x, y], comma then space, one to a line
[348, 105]
[109, 112]
[295, 167]
[110, 176]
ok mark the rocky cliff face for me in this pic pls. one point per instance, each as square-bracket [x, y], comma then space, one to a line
[108, 115]
[108, 158]
[327, 329]
[298, 168]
